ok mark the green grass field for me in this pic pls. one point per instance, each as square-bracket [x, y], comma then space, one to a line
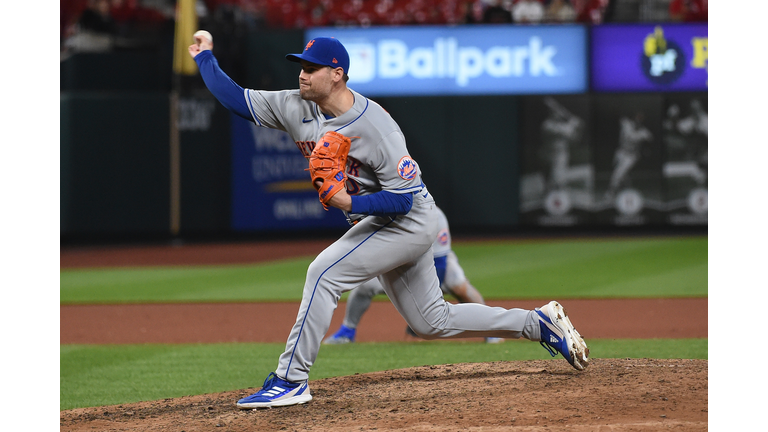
[598, 268]
[629, 268]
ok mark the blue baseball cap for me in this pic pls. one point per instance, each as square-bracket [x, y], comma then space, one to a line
[323, 51]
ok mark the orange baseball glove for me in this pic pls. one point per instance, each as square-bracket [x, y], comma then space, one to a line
[328, 162]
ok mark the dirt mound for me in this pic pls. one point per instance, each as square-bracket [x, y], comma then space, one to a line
[612, 394]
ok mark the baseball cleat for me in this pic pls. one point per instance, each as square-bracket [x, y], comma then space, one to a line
[559, 336]
[277, 392]
[345, 335]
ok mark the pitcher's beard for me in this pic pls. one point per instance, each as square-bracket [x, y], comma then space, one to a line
[307, 94]
[312, 94]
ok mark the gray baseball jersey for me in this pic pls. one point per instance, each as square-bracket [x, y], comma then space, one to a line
[397, 250]
[454, 274]
[442, 244]
[378, 158]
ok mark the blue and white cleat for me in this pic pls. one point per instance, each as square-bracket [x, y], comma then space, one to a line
[345, 335]
[277, 392]
[559, 336]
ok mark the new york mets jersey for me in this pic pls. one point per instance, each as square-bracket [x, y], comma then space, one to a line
[378, 157]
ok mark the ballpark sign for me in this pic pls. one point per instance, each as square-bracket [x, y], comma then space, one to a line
[438, 60]
[650, 57]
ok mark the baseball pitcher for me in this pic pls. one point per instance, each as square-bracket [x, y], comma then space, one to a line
[359, 162]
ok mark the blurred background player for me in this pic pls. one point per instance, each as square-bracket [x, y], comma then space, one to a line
[686, 141]
[559, 131]
[632, 133]
[452, 282]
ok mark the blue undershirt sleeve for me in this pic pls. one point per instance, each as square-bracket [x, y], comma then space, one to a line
[228, 92]
[382, 203]
[441, 263]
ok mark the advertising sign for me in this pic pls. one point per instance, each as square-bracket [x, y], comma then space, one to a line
[625, 160]
[628, 160]
[270, 189]
[649, 57]
[441, 60]
[558, 177]
[686, 136]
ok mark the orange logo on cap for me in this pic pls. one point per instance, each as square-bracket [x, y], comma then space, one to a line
[309, 44]
[334, 60]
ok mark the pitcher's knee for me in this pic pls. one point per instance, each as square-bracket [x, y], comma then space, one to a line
[432, 324]
[426, 330]
[315, 270]
[318, 278]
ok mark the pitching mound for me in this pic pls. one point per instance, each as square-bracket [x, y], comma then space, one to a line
[612, 394]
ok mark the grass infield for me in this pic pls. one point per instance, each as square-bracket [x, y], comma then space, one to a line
[93, 375]
[598, 268]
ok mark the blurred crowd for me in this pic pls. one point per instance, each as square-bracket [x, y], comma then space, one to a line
[99, 25]
[103, 25]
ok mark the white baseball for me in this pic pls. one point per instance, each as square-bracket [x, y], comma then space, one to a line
[203, 34]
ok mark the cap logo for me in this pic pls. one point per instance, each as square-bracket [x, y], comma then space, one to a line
[334, 60]
[309, 44]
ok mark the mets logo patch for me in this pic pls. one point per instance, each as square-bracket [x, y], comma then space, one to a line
[442, 237]
[406, 168]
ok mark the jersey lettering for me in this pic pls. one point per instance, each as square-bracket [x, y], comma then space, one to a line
[353, 170]
[306, 147]
[354, 167]
[352, 187]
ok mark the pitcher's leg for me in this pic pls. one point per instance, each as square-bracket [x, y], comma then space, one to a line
[357, 304]
[370, 248]
[359, 301]
[339, 268]
[415, 293]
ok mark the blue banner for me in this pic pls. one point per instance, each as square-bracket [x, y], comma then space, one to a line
[270, 189]
[441, 60]
[649, 57]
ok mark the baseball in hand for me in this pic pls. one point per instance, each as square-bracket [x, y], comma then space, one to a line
[203, 34]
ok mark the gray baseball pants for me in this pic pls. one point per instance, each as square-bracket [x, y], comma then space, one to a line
[398, 252]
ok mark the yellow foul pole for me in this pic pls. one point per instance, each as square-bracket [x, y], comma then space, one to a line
[183, 64]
